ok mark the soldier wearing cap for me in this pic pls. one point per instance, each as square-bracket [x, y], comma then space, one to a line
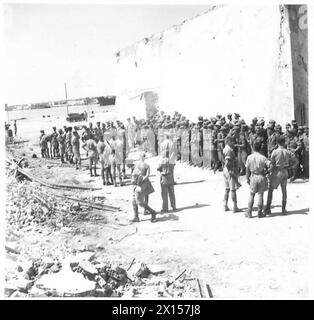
[272, 139]
[214, 146]
[230, 172]
[206, 145]
[305, 139]
[97, 132]
[69, 147]
[43, 142]
[166, 182]
[236, 117]
[281, 161]
[221, 136]
[85, 134]
[61, 144]
[168, 146]
[243, 148]
[54, 151]
[91, 148]
[263, 133]
[294, 125]
[256, 166]
[270, 127]
[76, 150]
[294, 145]
[116, 159]
[258, 136]
[185, 143]
[229, 117]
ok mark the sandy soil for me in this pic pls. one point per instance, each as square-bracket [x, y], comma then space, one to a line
[238, 257]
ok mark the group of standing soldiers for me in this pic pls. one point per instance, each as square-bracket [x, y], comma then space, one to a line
[206, 143]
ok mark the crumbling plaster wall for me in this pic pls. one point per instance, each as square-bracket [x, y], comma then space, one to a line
[299, 53]
[230, 59]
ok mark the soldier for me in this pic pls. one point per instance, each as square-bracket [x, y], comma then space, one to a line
[254, 123]
[43, 139]
[206, 143]
[168, 145]
[214, 146]
[281, 161]
[105, 164]
[243, 148]
[230, 173]
[76, 150]
[116, 159]
[305, 138]
[294, 146]
[97, 132]
[85, 134]
[300, 135]
[100, 145]
[230, 121]
[270, 128]
[121, 134]
[236, 117]
[54, 150]
[272, 140]
[142, 188]
[195, 156]
[294, 125]
[258, 136]
[15, 128]
[91, 148]
[166, 182]
[185, 143]
[256, 166]
[61, 143]
[221, 136]
[69, 147]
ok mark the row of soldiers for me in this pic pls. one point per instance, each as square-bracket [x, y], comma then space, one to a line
[200, 144]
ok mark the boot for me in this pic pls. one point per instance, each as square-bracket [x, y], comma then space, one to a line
[95, 172]
[226, 196]
[91, 172]
[135, 210]
[267, 211]
[153, 218]
[226, 205]
[235, 208]
[283, 207]
[260, 212]
[248, 214]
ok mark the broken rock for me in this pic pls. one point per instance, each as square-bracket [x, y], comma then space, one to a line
[66, 283]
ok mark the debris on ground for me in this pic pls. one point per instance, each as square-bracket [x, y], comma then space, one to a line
[83, 275]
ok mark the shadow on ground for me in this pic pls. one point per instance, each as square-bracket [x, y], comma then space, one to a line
[288, 213]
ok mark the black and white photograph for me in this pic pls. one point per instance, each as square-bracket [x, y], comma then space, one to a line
[156, 151]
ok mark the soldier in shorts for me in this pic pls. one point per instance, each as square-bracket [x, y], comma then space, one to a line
[281, 161]
[256, 165]
[230, 172]
[90, 147]
[76, 150]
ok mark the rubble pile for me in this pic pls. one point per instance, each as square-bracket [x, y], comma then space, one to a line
[28, 203]
[83, 275]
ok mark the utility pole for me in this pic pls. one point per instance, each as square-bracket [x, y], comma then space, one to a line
[66, 96]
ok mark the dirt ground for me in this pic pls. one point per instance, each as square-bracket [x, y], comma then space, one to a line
[238, 257]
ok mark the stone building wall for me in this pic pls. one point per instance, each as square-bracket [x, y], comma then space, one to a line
[229, 59]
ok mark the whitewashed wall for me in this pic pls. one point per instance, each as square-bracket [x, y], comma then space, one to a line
[231, 59]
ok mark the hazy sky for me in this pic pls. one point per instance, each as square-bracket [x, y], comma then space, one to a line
[47, 45]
